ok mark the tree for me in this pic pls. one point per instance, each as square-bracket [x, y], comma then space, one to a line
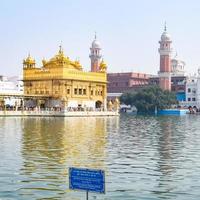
[149, 98]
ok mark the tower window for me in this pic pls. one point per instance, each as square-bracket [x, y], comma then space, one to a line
[91, 92]
[189, 90]
[80, 91]
[68, 91]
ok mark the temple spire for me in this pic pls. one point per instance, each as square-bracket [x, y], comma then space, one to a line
[60, 48]
[165, 27]
[95, 35]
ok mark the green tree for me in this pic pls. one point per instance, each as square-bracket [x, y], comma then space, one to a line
[149, 98]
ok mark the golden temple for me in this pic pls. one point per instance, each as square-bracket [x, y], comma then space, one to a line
[62, 83]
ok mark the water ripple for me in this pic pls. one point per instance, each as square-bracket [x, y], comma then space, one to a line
[144, 157]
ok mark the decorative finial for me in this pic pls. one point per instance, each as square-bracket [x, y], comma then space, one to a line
[77, 59]
[165, 29]
[95, 35]
[60, 48]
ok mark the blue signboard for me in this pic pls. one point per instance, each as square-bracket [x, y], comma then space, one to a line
[89, 180]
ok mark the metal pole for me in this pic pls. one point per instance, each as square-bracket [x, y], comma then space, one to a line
[87, 195]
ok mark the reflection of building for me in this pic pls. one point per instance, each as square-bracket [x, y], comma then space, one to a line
[66, 141]
[62, 83]
[11, 91]
[51, 145]
[167, 151]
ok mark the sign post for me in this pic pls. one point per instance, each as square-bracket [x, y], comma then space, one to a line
[87, 195]
[89, 180]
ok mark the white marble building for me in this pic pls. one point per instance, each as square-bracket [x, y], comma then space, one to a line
[177, 66]
[11, 90]
[192, 91]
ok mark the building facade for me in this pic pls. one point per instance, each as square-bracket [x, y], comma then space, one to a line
[165, 61]
[177, 66]
[61, 83]
[178, 85]
[192, 91]
[126, 81]
[11, 92]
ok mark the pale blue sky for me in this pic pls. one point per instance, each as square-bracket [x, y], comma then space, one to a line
[128, 31]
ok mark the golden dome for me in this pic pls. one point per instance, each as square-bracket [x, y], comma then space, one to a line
[29, 60]
[103, 66]
[110, 103]
[60, 60]
[77, 64]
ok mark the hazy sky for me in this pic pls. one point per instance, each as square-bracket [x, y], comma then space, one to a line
[128, 30]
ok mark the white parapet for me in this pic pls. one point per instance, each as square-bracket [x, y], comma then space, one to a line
[59, 113]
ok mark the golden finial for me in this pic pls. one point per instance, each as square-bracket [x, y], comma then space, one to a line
[44, 61]
[60, 48]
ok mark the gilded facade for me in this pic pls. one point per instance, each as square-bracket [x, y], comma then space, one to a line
[62, 83]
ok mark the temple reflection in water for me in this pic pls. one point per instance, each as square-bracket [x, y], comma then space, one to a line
[72, 141]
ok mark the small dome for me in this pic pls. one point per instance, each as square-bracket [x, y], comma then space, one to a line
[96, 44]
[103, 64]
[29, 60]
[165, 36]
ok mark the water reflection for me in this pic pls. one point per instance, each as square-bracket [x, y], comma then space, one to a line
[171, 142]
[165, 147]
[165, 159]
[52, 145]
[145, 157]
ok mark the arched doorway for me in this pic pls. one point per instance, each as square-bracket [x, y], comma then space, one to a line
[98, 104]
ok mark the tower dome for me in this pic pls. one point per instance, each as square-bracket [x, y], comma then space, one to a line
[96, 43]
[165, 35]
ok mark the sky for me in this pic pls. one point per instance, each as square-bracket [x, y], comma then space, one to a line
[128, 30]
